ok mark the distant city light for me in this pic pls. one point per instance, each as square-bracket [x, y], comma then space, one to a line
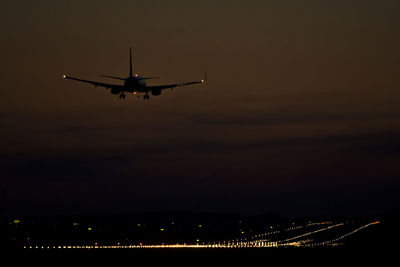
[298, 239]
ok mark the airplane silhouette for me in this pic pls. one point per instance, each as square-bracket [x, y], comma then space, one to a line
[134, 84]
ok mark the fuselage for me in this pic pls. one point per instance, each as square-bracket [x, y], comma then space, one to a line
[135, 84]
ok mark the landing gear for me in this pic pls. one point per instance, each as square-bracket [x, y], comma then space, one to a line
[146, 97]
[122, 96]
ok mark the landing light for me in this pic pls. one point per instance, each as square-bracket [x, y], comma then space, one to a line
[64, 76]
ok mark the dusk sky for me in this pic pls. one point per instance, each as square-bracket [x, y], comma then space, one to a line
[300, 113]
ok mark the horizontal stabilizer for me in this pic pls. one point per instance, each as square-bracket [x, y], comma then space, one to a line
[113, 77]
[148, 78]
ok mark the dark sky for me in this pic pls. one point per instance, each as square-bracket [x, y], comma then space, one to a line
[300, 114]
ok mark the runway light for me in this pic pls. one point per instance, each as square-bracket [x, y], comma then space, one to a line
[298, 240]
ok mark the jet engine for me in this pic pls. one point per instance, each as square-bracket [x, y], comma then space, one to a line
[115, 91]
[156, 92]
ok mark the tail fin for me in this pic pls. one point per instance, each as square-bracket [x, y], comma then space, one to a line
[130, 61]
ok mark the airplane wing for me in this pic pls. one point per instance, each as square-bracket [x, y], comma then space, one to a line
[173, 85]
[106, 85]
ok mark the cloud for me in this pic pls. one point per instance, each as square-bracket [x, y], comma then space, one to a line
[124, 161]
[61, 166]
[216, 174]
[390, 147]
[262, 117]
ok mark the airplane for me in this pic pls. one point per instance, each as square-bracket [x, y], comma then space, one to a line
[135, 84]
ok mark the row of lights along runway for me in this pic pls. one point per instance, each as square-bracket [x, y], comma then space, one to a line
[259, 241]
